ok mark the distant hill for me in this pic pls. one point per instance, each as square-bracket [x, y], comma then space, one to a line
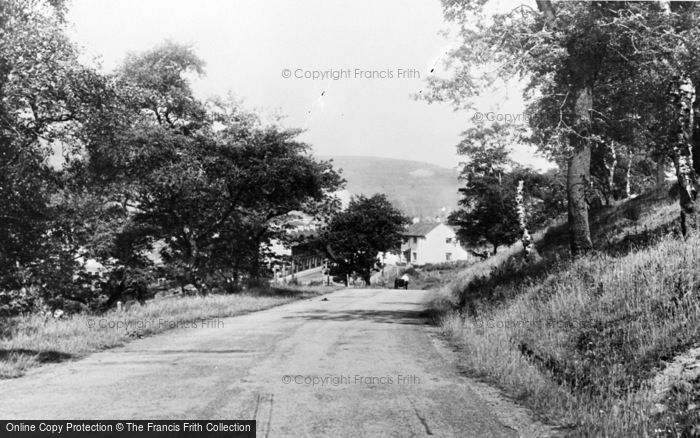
[417, 188]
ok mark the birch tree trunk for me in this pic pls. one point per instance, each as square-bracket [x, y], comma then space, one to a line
[682, 93]
[528, 242]
[628, 174]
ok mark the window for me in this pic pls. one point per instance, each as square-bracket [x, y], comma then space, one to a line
[448, 256]
[448, 240]
[415, 240]
[415, 256]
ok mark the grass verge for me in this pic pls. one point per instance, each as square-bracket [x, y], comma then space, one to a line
[31, 340]
[579, 341]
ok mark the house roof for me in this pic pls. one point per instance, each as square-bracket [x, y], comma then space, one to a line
[420, 229]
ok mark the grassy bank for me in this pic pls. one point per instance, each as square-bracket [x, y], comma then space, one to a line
[29, 341]
[579, 341]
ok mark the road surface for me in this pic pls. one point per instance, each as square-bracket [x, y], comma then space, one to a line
[361, 363]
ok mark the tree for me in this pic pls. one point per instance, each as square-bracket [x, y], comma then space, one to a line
[146, 168]
[683, 131]
[660, 43]
[39, 75]
[217, 211]
[492, 216]
[207, 181]
[488, 212]
[567, 52]
[354, 237]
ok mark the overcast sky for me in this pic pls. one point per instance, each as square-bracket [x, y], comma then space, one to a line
[248, 44]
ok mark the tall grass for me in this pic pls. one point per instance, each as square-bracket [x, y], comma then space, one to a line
[31, 340]
[579, 340]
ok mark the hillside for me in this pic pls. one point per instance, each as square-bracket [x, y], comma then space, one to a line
[596, 345]
[417, 188]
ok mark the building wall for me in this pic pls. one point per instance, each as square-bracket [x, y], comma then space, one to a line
[435, 247]
[411, 248]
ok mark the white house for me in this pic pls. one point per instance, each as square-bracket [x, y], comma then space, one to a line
[432, 242]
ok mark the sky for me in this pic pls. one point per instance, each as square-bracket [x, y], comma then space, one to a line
[380, 53]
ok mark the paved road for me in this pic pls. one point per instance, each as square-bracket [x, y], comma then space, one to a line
[385, 375]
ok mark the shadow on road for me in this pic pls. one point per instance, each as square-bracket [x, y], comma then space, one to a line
[189, 351]
[414, 317]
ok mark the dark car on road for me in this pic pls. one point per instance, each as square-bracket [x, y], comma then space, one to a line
[399, 282]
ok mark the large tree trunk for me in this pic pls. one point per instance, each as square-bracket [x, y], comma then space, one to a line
[682, 92]
[579, 169]
[582, 69]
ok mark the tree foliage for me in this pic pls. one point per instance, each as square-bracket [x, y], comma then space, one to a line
[597, 77]
[204, 183]
[38, 75]
[487, 213]
[354, 237]
[111, 181]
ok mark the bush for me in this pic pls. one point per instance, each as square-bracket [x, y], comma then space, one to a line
[15, 302]
[446, 266]
[411, 271]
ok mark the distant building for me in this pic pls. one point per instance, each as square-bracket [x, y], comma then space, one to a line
[296, 259]
[432, 242]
